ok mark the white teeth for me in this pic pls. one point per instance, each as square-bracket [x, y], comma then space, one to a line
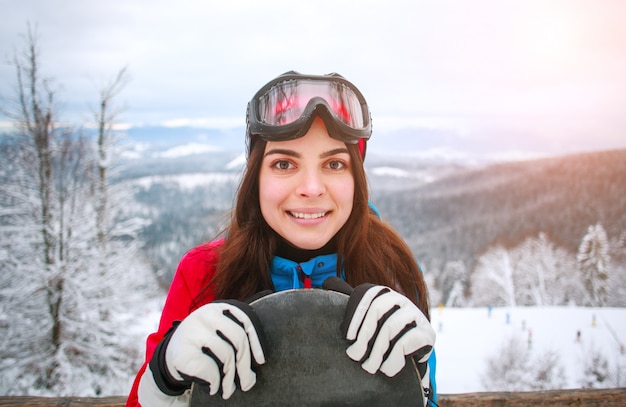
[307, 215]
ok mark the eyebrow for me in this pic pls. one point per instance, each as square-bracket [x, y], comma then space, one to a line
[295, 154]
[282, 151]
[334, 152]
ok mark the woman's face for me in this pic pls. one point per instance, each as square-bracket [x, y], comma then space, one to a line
[306, 187]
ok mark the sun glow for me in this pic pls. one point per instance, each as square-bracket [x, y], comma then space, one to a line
[554, 37]
[551, 42]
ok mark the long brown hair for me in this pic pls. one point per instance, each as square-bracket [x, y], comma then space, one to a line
[370, 250]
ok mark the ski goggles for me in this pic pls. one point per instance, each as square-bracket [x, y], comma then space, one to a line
[285, 108]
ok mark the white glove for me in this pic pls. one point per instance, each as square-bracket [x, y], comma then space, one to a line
[384, 327]
[215, 345]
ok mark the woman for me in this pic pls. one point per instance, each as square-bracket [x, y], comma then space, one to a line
[301, 216]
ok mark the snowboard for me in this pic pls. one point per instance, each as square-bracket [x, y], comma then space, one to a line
[306, 363]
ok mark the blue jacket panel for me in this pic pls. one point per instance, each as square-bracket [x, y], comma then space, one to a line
[286, 274]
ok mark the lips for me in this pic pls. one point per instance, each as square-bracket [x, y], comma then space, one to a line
[303, 215]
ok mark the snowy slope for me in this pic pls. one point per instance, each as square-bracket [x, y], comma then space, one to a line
[466, 337]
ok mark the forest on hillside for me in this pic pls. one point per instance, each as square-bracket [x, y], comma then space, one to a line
[457, 217]
[455, 220]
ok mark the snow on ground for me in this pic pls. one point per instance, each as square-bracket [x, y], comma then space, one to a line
[467, 337]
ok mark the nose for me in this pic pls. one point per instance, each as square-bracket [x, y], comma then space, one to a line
[311, 184]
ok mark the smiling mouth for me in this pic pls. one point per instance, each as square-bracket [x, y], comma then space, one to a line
[300, 215]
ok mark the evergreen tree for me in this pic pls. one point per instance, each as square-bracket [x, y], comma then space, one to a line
[593, 261]
[454, 283]
[617, 276]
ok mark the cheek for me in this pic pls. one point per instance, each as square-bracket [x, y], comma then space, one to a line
[270, 193]
[344, 193]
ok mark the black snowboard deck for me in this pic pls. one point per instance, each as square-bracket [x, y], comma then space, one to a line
[306, 363]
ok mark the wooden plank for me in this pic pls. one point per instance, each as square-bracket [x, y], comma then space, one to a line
[30, 401]
[553, 398]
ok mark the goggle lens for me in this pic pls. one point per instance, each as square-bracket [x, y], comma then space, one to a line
[287, 101]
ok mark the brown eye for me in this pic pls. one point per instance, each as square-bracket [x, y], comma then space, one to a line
[336, 165]
[282, 165]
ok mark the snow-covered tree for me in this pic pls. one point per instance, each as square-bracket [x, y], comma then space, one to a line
[617, 276]
[603, 367]
[543, 272]
[63, 316]
[492, 283]
[548, 373]
[509, 369]
[434, 291]
[513, 367]
[536, 272]
[454, 283]
[37, 281]
[596, 371]
[593, 261]
[106, 151]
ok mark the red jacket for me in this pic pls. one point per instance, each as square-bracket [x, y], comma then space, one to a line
[192, 273]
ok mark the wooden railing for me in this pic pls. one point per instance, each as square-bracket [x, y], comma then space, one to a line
[555, 398]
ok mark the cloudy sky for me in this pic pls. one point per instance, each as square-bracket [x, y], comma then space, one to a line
[550, 70]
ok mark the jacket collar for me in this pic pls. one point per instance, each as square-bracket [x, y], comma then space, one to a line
[288, 274]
